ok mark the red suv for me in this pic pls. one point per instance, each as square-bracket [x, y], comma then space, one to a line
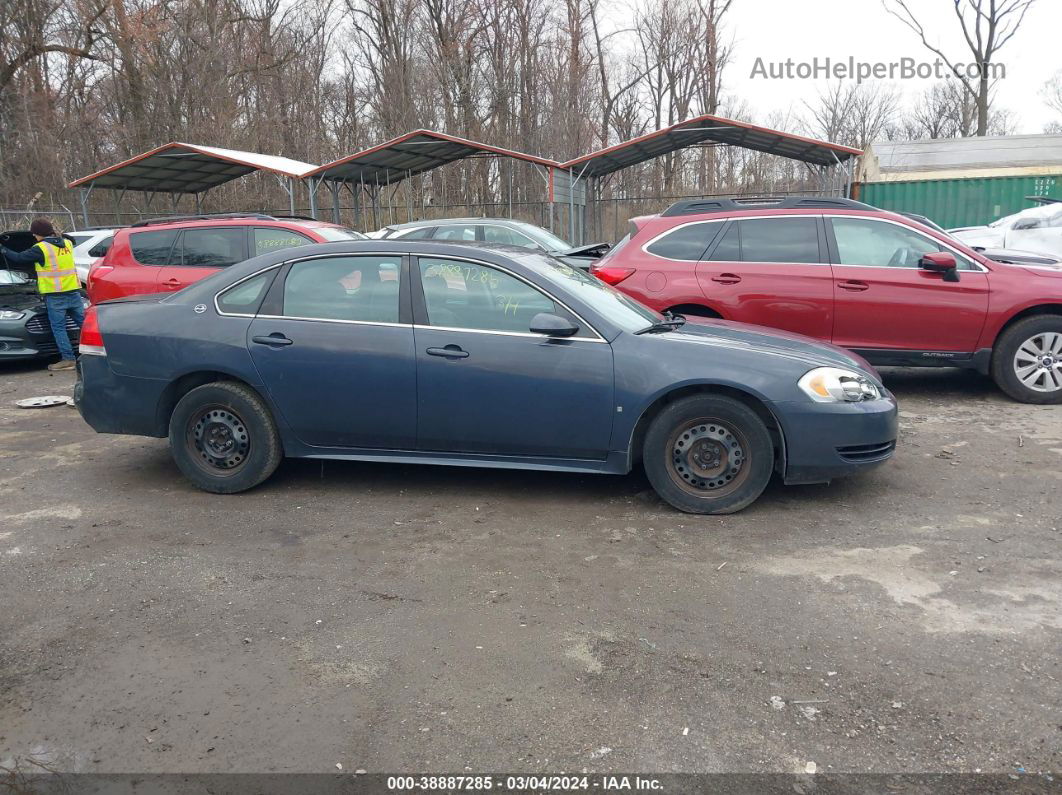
[888, 287]
[168, 254]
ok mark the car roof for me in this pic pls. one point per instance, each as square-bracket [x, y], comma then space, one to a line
[444, 221]
[233, 219]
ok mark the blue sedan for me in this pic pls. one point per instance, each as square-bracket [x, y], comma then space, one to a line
[471, 355]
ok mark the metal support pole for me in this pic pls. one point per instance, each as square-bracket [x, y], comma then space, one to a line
[85, 193]
[311, 186]
[571, 206]
[333, 188]
[291, 195]
[198, 205]
[357, 205]
[409, 195]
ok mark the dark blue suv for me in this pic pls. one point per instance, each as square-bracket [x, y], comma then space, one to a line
[471, 355]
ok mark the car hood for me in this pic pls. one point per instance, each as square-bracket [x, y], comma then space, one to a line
[796, 347]
[1015, 256]
[18, 296]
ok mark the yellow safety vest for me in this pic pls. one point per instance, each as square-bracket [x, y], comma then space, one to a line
[57, 274]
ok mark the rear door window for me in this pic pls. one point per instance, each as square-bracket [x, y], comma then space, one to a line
[212, 247]
[267, 239]
[780, 240]
[729, 248]
[502, 234]
[153, 248]
[363, 289]
[687, 242]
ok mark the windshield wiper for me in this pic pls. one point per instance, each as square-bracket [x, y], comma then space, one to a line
[669, 323]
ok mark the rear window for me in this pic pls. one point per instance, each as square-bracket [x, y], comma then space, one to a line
[686, 242]
[101, 248]
[152, 248]
[417, 234]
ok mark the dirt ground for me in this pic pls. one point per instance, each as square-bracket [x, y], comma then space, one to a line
[398, 618]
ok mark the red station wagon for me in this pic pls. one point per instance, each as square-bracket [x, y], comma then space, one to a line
[169, 254]
[893, 290]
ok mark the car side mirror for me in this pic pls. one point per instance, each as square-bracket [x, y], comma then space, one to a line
[552, 325]
[942, 262]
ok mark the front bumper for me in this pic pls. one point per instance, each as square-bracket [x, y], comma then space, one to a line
[829, 440]
[31, 336]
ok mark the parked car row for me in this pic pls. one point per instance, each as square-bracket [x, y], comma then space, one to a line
[465, 354]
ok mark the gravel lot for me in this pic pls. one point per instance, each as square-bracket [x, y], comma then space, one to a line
[396, 618]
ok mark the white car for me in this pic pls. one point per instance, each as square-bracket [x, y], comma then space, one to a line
[89, 246]
[1037, 229]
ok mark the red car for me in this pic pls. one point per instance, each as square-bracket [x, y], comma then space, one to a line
[168, 254]
[893, 290]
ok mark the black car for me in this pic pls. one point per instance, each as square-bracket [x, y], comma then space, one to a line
[24, 329]
[471, 355]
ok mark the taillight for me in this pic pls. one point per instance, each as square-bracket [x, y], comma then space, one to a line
[611, 275]
[96, 269]
[91, 343]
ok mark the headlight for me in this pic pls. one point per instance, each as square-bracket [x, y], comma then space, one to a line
[10, 314]
[833, 385]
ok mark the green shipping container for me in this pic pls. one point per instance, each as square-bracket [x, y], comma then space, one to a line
[960, 202]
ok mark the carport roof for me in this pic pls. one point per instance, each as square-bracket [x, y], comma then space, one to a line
[188, 168]
[708, 128]
[412, 153]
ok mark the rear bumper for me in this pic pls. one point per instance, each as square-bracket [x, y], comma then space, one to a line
[112, 403]
[830, 440]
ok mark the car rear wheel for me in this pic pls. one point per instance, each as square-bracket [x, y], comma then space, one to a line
[1027, 361]
[708, 454]
[223, 438]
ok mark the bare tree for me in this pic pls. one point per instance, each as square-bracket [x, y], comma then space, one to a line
[987, 25]
[854, 114]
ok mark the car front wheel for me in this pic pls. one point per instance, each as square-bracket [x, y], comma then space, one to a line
[1027, 361]
[223, 438]
[708, 454]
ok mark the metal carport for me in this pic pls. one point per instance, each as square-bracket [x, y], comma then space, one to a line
[401, 158]
[178, 168]
[699, 130]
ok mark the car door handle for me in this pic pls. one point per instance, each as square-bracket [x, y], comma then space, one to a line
[449, 352]
[853, 286]
[173, 283]
[273, 340]
[727, 278]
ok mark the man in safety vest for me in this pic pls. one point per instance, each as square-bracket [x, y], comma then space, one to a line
[53, 259]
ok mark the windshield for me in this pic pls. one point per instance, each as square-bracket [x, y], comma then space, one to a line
[607, 301]
[543, 237]
[334, 233]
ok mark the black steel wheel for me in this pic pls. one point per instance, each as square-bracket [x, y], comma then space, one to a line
[223, 438]
[708, 454]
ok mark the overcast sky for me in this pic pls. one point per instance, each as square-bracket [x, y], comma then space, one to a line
[803, 29]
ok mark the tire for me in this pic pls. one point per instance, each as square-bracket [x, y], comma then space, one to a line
[1027, 360]
[708, 454]
[223, 438]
